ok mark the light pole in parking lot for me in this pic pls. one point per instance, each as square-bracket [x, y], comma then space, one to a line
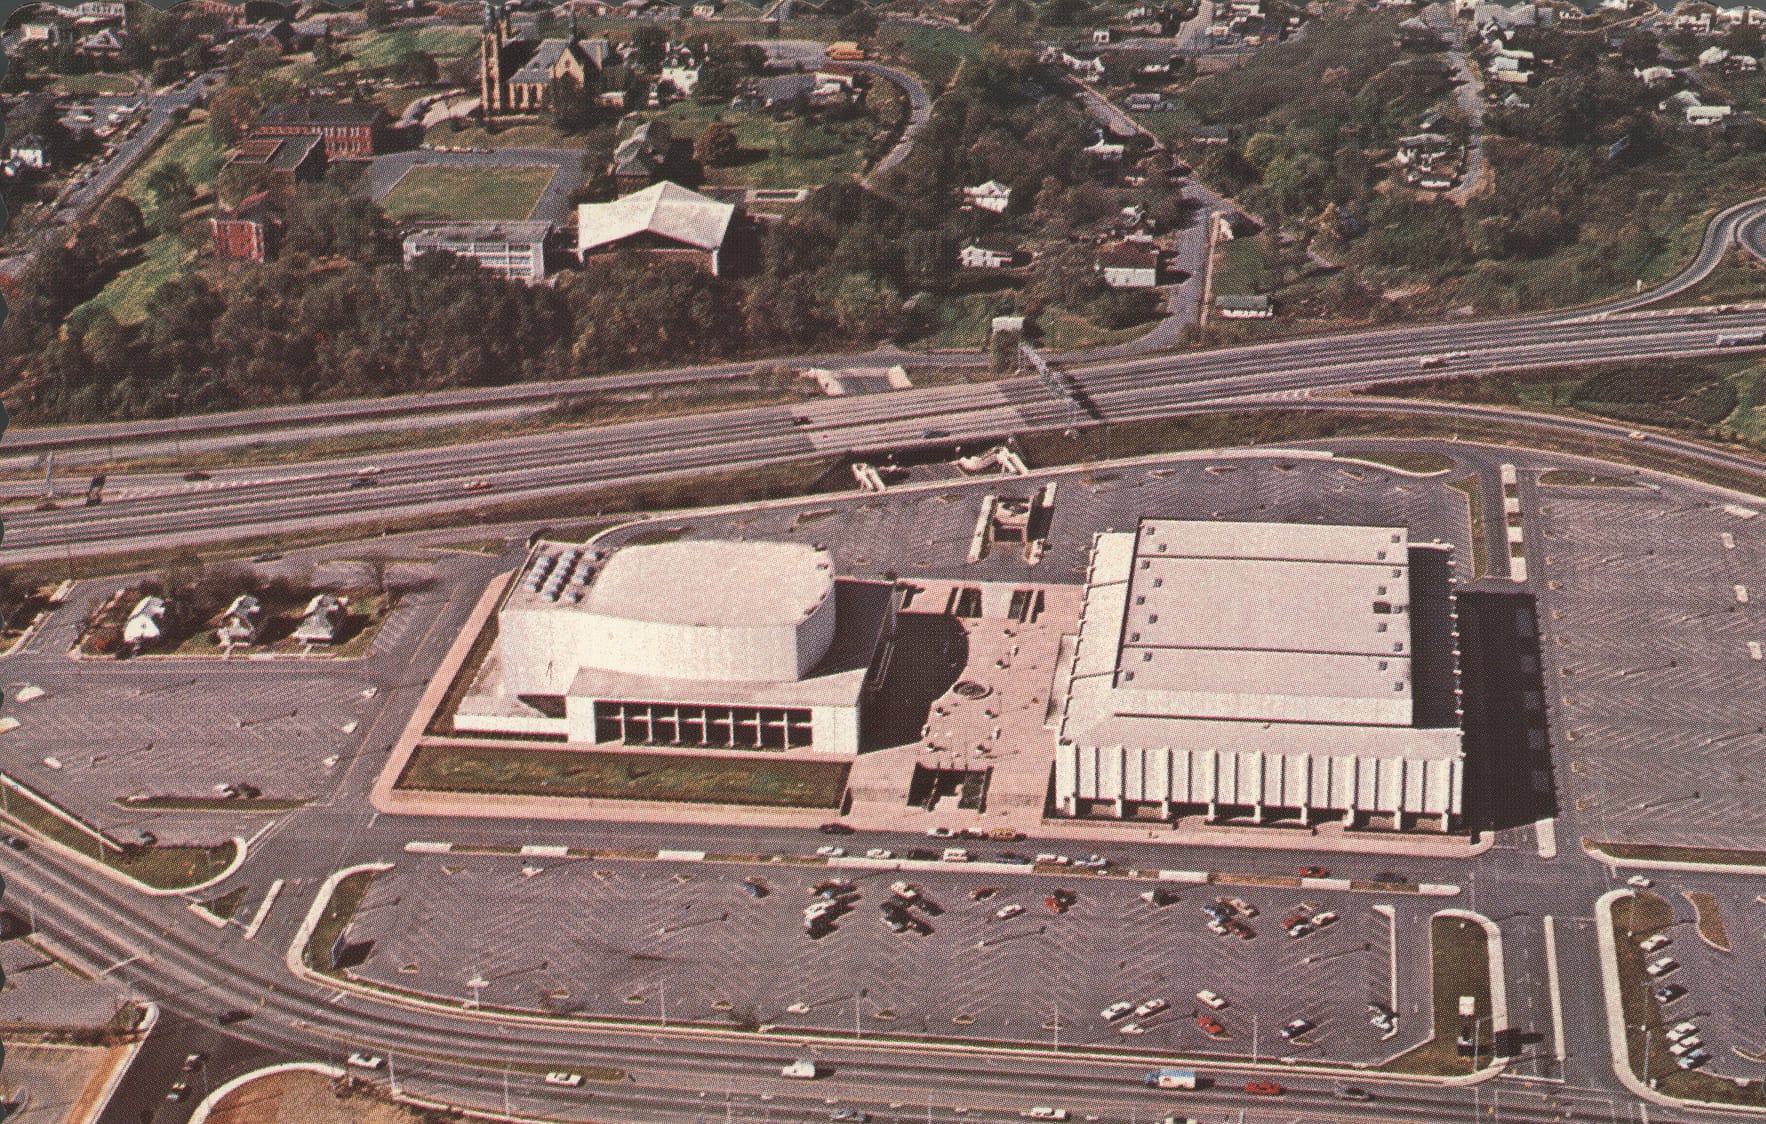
[1253, 1037]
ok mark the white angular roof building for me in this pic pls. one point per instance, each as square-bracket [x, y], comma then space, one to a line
[1263, 670]
[733, 646]
[663, 218]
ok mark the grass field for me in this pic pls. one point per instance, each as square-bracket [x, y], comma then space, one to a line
[934, 53]
[125, 298]
[776, 154]
[625, 776]
[374, 50]
[478, 194]
[1237, 264]
[1635, 916]
[1458, 950]
[165, 868]
[191, 147]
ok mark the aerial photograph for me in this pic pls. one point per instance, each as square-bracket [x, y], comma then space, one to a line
[947, 561]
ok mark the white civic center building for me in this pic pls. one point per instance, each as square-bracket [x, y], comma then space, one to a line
[1269, 671]
[716, 646]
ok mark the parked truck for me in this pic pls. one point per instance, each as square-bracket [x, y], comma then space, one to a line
[1171, 1079]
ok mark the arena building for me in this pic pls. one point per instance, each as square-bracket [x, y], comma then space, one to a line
[731, 646]
[1269, 671]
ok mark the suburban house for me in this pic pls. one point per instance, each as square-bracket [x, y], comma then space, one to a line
[707, 10]
[241, 622]
[665, 219]
[990, 196]
[512, 249]
[238, 13]
[987, 253]
[32, 151]
[102, 11]
[1244, 307]
[640, 158]
[323, 619]
[1126, 265]
[1705, 115]
[284, 160]
[248, 232]
[350, 130]
[1654, 75]
[40, 31]
[146, 623]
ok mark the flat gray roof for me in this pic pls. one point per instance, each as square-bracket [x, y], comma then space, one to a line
[1279, 637]
[733, 584]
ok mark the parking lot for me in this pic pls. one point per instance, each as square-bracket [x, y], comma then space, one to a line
[688, 943]
[926, 533]
[1651, 601]
[105, 729]
[1724, 991]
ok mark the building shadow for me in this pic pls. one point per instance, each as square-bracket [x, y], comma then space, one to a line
[1507, 735]
[930, 652]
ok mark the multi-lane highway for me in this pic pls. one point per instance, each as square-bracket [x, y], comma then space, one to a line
[461, 477]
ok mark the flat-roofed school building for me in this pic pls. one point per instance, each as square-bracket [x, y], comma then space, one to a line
[1269, 671]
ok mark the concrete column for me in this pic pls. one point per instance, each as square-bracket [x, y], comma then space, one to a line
[1165, 809]
[1121, 808]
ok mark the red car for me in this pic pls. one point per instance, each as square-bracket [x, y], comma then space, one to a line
[1211, 1024]
[1263, 1088]
[1314, 872]
[1055, 904]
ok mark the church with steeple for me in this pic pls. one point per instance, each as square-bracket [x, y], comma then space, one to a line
[518, 75]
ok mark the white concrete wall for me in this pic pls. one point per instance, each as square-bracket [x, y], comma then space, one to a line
[1413, 785]
[543, 648]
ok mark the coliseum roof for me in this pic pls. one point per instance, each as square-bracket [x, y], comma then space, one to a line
[713, 584]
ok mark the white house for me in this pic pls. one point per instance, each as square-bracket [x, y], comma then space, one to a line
[986, 254]
[146, 623]
[32, 151]
[1128, 266]
[322, 620]
[990, 196]
[1703, 115]
[241, 622]
[1654, 75]
[1713, 56]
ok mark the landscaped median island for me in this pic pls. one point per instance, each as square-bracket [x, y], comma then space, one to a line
[1632, 917]
[624, 776]
[1460, 954]
[339, 911]
[160, 867]
[1663, 853]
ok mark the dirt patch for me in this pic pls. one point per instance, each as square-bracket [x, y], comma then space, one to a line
[1710, 919]
[307, 1098]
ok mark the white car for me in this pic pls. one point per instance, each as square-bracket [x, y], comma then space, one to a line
[1663, 966]
[1323, 919]
[1151, 1007]
[1650, 944]
[366, 1061]
[1213, 999]
[568, 1080]
[1131, 1028]
[1685, 1046]
[955, 855]
[1013, 910]
[1639, 882]
[879, 853]
[1681, 1030]
[1053, 860]
[1044, 1112]
[798, 1008]
[940, 832]
[829, 851]
[1115, 1011]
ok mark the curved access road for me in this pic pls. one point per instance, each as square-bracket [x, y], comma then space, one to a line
[1732, 226]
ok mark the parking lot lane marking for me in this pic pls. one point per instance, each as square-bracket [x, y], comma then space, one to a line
[1547, 832]
[1557, 998]
[257, 919]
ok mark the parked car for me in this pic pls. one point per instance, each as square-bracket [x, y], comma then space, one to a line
[1662, 967]
[1008, 911]
[178, 1091]
[1296, 1028]
[1639, 882]
[1323, 919]
[1116, 1010]
[835, 829]
[879, 853]
[1263, 1088]
[1681, 1030]
[366, 1061]
[1211, 998]
[829, 851]
[1651, 944]
[1151, 1007]
[1131, 1028]
[1211, 1026]
[1668, 993]
[567, 1080]
[940, 832]
[1351, 1093]
[1314, 872]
